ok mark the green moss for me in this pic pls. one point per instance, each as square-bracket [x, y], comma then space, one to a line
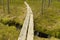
[8, 32]
[48, 23]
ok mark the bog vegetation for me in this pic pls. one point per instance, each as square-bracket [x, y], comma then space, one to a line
[46, 17]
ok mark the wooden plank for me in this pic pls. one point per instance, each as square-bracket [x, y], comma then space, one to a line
[30, 34]
[28, 20]
[23, 32]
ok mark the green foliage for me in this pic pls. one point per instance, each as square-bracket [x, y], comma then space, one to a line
[48, 22]
[5, 20]
[10, 33]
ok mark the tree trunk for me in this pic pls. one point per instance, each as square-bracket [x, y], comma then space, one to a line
[3, 6]
[42, 9]
[8, 8]
[49, 3]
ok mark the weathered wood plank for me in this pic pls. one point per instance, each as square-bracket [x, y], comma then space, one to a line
[28, 23]
[30, 35]
[23, 32]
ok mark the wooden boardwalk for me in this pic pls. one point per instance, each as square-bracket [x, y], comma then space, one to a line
[27, 32]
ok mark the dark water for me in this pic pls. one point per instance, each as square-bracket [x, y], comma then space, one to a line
[40, 34]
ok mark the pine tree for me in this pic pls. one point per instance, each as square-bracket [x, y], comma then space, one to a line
[49, 3]
[8, 4]
[42, 7]
[3, 6]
